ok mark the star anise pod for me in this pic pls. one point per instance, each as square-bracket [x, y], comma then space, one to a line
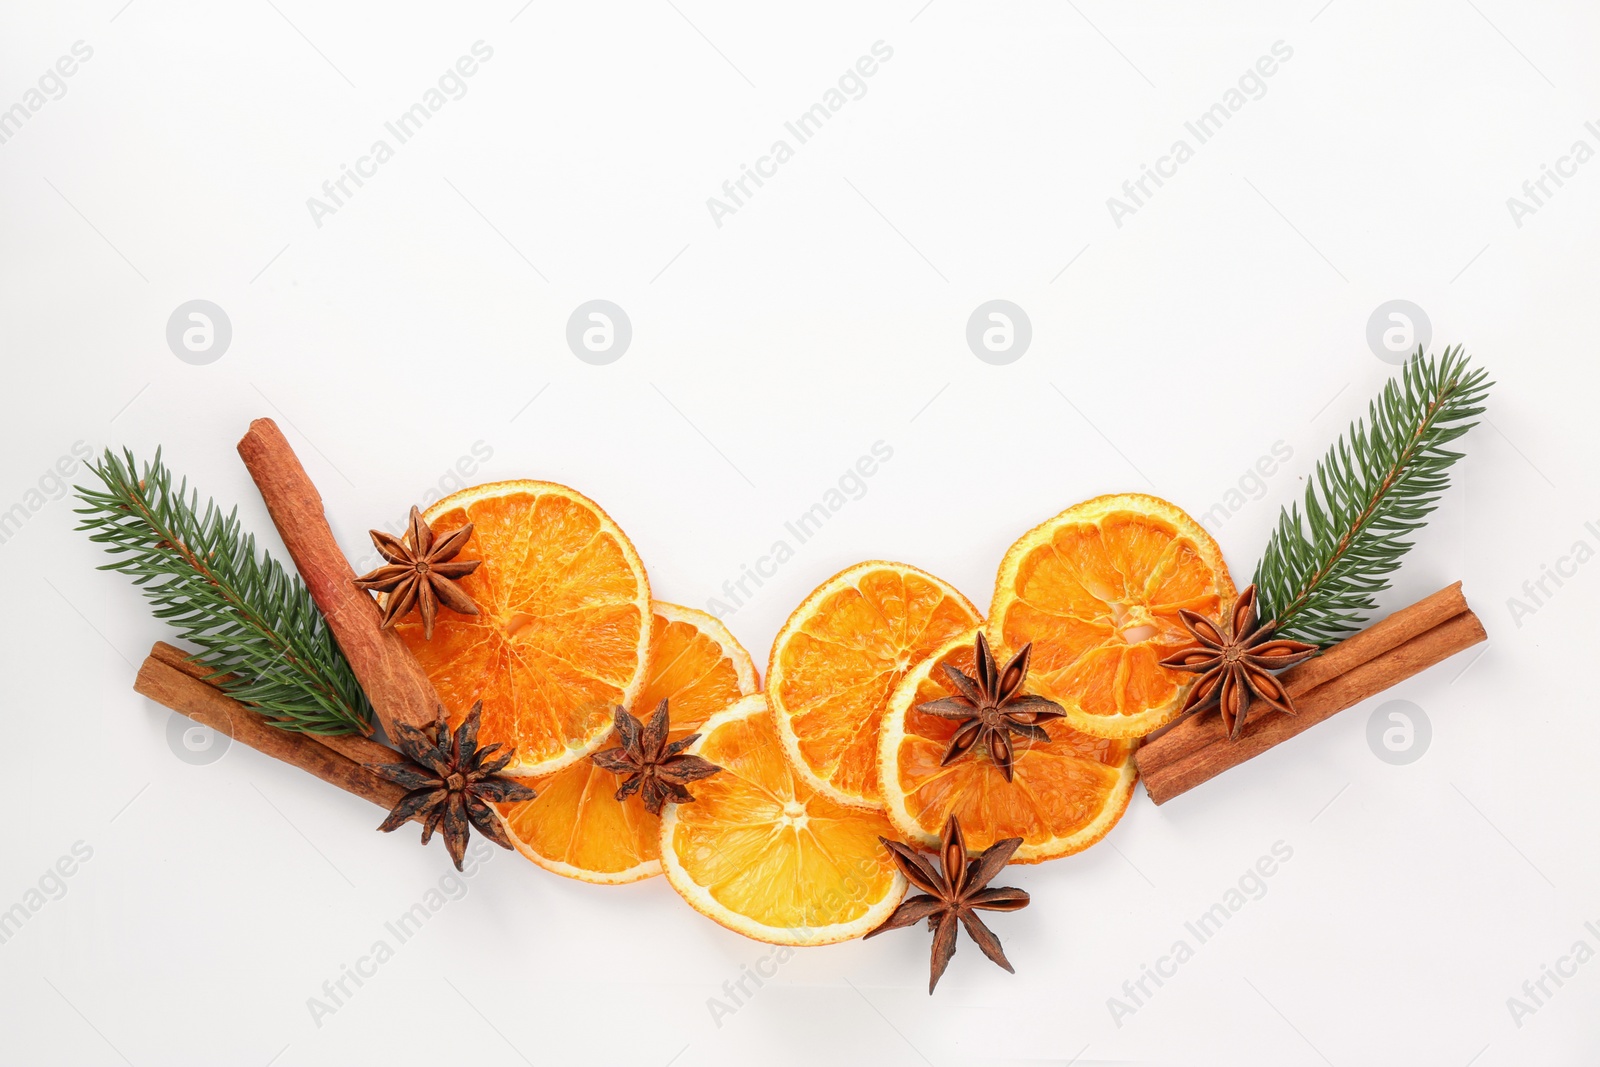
[655, 770]
[421, 573]
[954, 894]
[452, 782]
[992, 707]
[1235, 666]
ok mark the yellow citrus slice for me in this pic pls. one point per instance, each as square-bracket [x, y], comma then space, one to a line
[764, 854]
[1097, 589]
[563, 633]
[575, 826]
[838, 658]
[1063, 796]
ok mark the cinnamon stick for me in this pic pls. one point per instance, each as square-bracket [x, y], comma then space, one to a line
[177, 687]
[1198, 749]
[1410, 622]
[1380, 637]
[358, 748]
[394, 681]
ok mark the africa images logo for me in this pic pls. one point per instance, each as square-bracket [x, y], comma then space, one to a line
[51, 85]
[451, 85]
[1251, 885]
[1251, 85]
[52, 485]
[809, 123]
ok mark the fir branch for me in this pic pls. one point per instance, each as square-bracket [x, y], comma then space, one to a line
[256, 626]
[1376, 485]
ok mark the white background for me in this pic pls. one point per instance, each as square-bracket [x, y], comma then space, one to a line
[1169, 354]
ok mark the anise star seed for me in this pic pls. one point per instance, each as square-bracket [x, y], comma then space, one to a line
[421, 573]
[1235, 667]
[452, 782]
[954, 895]
[992, 707]
[655, 770]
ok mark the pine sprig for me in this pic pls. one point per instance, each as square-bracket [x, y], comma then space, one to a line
[1377, 484]
[256, 626]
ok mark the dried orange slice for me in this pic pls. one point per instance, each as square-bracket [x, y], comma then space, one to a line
[563, 630]
[764, 854]
[1097, 589]
[1063, 797]
[575, 826]
[838, 658]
